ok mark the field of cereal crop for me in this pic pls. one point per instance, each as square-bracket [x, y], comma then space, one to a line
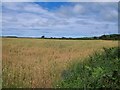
[38, 63]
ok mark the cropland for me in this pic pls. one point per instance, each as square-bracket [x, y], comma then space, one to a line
[39, 63]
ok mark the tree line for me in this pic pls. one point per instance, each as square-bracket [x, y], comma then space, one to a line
[102, 37]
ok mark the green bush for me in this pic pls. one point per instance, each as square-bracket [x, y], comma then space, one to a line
[102, 70]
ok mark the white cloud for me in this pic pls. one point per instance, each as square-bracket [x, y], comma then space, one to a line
[70, 11]
[111, 15]
[31, 15]
[78, 8]
[76, 17]
[24, 7]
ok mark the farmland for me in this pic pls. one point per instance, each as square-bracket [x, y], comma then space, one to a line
[39, 62]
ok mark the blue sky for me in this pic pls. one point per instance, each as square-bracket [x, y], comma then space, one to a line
[58, 19]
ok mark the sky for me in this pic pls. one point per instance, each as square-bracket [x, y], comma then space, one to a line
[59, 19]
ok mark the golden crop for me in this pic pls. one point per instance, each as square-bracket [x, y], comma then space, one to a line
[39, 62]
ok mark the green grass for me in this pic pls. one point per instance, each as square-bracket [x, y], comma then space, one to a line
[101, 70]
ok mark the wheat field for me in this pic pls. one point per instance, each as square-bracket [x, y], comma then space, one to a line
[38, 63]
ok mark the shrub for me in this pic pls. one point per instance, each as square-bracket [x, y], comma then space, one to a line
[102, 70]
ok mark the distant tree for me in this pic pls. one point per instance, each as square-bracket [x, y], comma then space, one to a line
[110, 37]
[63, 37]
[43, 37]
[103, 37]
[11, 36]
[70, 38]
[95, 37]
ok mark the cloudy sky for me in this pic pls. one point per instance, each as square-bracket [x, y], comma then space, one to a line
[58, 19]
